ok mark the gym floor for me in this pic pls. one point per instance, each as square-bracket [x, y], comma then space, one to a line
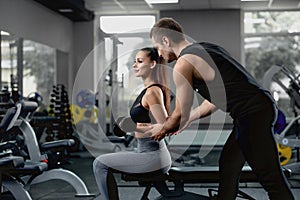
[81, 164]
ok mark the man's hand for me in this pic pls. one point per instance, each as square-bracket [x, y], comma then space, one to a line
[188, 124]
[155, 132]
[158, 136]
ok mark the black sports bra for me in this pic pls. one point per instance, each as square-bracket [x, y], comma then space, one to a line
[138, 113]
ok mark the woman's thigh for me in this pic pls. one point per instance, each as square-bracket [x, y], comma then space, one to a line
[132, 162]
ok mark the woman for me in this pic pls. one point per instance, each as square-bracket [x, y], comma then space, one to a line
[151, 106]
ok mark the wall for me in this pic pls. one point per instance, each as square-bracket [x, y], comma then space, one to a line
[30, 20]
[222, 27]
[62, 60]
[72, 40]
[83, 46]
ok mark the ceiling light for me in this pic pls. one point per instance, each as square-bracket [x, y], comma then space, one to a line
[251, 46]
[254, 0]
[4, 33]
[255, 21]
[161, 1]
[65, 10]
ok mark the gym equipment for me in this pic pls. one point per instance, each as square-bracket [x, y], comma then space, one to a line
[90, 136]
[117, 130]
[62, 127]
[293, 90]
[14, 84]
[79, 114]
[26, 110]
[85, 99]
[12, 167]
[181, 175]
[4, 95]
[280, 122]
[38, 98]
[5, 100]
[122, 129]
[285, 152]
[35, 96]
[7, 163]
[127, 124]
[123, 125]
[85, 118]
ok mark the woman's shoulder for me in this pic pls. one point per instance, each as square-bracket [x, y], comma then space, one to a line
[154, 89]
[153, 94]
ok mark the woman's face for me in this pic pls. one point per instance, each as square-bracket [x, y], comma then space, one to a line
[143, 64]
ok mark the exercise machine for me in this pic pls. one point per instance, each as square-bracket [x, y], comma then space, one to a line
[13, 167]
[26, 111]
[85, 116]
[289, 135]
[8, 163]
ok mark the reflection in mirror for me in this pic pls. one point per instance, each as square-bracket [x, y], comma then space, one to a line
[27, 68]
[39, 71]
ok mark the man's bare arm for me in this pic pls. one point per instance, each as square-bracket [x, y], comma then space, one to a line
[205, 109]
[182, 76]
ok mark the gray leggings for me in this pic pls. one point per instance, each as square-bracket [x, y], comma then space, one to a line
[129, 162]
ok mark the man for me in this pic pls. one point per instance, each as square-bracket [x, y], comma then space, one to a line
[209, 70]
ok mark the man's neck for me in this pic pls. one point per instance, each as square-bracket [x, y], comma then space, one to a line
[180, 46]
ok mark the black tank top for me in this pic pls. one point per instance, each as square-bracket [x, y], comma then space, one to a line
[234, 89]
[138, 113]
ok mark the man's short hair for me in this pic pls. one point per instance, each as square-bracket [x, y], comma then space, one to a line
[167, 27]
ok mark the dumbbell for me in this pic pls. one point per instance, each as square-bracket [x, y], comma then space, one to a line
[123, 125]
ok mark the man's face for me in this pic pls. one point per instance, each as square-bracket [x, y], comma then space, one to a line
[164, 51]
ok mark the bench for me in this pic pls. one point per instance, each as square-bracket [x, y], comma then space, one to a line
[181, 175]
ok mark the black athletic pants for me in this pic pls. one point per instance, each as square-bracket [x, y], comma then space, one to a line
[252, 141]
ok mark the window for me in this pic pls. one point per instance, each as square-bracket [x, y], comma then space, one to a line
[129, 34]
[272, 22]
[273, 38]
[125, 35]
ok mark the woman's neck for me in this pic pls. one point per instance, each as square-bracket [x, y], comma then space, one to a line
[148, 82]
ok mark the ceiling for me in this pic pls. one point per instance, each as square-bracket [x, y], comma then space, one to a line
[84, 10]
[136, 6]
[72, 9]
